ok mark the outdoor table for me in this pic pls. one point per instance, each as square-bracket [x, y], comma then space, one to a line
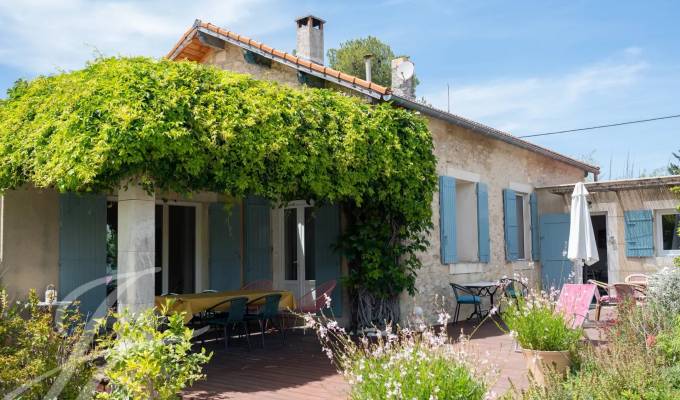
[483, 288]
[194, 303]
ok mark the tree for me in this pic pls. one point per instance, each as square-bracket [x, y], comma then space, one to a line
[349, 58]
[674, 169]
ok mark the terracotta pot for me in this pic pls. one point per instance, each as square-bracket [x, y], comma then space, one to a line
[538, 362]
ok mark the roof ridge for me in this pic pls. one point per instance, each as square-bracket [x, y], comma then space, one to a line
[176, 51]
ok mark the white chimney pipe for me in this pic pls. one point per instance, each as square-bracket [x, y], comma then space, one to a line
[367, 61]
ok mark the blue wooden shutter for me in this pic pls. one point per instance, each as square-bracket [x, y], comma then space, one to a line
[82, 250]
[535, 238]
[483, 223]
[257, 241]
[511, 225]
[225, 246]
[639, 233]
[326, 258]
[447, 218]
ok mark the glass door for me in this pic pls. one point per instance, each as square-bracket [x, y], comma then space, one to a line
[298, 249]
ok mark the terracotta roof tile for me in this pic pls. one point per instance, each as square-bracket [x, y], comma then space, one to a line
[180, 51]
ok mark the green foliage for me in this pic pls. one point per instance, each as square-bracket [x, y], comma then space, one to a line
[349, 58]
[537, 326]
[668, 343]
[664, 289]
[184, 127]
[31, 347]
[146, 359]
[627, 367]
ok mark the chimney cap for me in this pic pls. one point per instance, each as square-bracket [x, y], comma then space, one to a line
[315, 20]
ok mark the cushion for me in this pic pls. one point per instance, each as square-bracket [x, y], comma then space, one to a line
[468, 299]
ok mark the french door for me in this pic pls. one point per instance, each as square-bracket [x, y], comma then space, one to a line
[296, 264]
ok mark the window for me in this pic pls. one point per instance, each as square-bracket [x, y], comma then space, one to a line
[517, 225]
[668, 241]
[466, 221]
[463, 219]
[519, 203]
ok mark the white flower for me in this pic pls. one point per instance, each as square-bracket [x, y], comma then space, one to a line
[327, 299]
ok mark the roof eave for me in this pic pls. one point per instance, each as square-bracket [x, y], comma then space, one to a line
[199, 29]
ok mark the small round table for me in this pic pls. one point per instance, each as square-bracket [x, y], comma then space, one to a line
[482, 288]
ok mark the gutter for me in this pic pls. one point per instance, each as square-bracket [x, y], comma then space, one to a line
[491, 132]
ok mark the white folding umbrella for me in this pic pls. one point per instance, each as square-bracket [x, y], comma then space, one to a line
[582, 247]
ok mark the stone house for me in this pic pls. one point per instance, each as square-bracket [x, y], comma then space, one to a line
[485, 216]
[635, 222]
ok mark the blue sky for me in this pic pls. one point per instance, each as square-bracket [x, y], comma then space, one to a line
[521, 66]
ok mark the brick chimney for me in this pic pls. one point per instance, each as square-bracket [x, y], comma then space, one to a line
[310, 38]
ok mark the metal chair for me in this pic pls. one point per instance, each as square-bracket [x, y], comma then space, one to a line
[464, 295]
[268, 312]
[228, 320]
[514, 288]
[262, 284]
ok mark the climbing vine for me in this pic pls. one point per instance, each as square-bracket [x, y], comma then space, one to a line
[185, 127]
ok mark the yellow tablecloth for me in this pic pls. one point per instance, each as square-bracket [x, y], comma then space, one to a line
[194, 303]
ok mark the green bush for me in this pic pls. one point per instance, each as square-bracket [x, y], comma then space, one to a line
[148, 356]
[664, 289]
[35, 353]
[537, 326]
[668, 343]
[629, 366]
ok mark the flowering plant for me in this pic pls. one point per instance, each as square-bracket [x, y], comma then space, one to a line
[402, 363]
[533, 321]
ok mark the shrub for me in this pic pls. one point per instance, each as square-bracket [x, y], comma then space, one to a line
[627, 367]
[402, 364]
[537, 326]
[664, 289]
[668, 343]
[33, 351]
[148, 356]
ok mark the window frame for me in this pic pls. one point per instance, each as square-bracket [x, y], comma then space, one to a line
[658, 233]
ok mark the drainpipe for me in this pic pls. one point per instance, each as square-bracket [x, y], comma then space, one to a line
[367, 61]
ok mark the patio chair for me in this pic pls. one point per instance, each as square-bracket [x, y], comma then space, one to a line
[574, 302]
[235, 316]
[638, 279]
[608, 299]
[464, 295]
[311, 302]
[628, 292]
[262, 284]
[268, 312]
[514, 288]
[315, 300]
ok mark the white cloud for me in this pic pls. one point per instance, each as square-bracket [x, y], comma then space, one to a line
[41, 36]
[522, 105]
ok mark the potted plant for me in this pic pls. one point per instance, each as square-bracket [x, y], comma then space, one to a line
[546, 339]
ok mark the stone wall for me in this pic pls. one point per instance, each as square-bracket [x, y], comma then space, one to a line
[461, 152]
[30, 241]
[231, 59]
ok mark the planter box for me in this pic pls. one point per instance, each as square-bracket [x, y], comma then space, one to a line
[539, 362]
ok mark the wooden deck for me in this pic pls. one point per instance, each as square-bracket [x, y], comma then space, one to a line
[299, 370]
